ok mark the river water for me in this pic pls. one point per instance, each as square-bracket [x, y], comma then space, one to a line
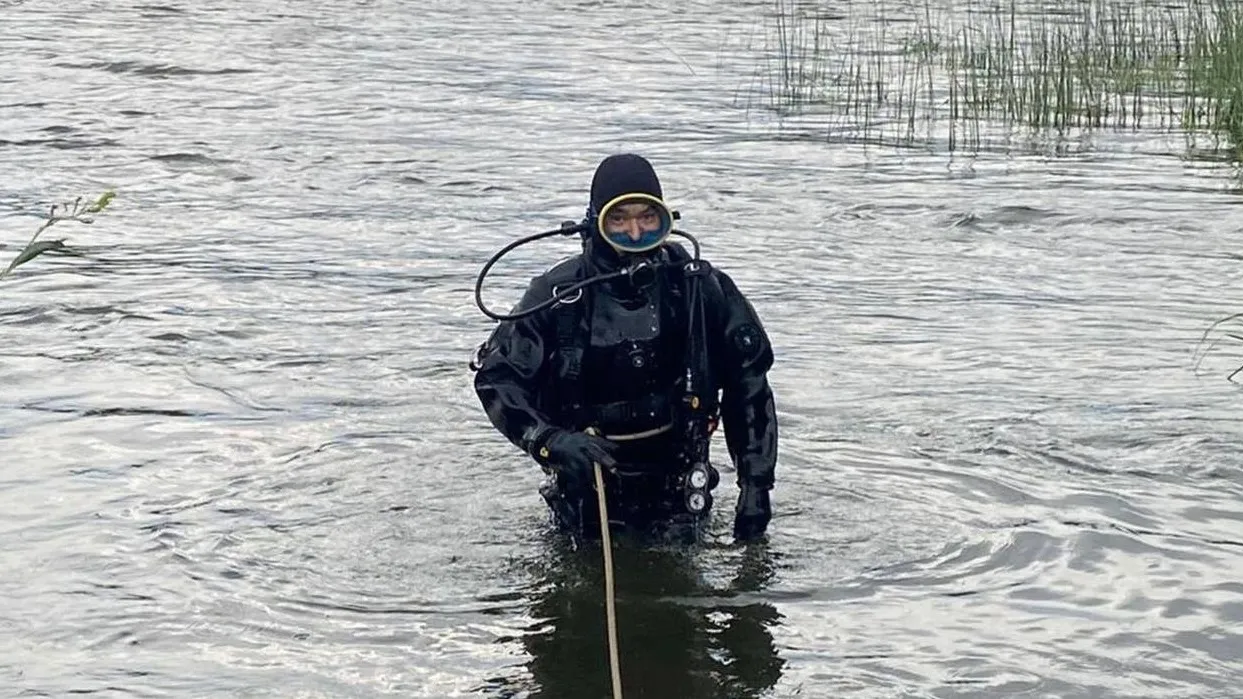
[240, 454]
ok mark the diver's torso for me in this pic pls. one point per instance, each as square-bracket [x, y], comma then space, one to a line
[635, 357]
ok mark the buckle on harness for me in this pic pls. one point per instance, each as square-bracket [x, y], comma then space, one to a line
[696, 268]
[476, 359]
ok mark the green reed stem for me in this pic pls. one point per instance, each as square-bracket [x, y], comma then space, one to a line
[1108, 64]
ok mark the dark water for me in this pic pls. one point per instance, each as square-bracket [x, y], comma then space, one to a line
[240, 454]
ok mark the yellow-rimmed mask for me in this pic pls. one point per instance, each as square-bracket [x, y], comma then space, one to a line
[634, 223]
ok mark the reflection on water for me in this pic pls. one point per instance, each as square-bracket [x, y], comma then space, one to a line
[679, 636]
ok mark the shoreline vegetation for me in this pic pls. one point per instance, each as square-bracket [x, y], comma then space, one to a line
[960, 72]
[978, 75]
[69, 211]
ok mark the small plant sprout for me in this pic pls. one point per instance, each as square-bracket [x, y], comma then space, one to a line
[69, 211]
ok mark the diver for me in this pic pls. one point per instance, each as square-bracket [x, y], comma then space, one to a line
[629, 355]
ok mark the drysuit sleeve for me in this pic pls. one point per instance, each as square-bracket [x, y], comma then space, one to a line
[513, 365]
[743, 356]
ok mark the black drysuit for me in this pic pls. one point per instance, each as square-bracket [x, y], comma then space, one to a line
[615, 359]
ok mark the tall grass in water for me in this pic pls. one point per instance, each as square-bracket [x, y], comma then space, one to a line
[933, 72]
[845, 64]
[1216, 75]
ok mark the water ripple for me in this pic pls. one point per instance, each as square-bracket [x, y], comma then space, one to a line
[242, 454]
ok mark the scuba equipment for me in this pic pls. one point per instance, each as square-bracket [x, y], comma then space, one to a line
[659, 344]
[698, 484]
[633, 223]
[635, 228]
[698, 416]
[640, 271]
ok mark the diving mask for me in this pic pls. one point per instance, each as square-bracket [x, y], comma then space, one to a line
[633, 223]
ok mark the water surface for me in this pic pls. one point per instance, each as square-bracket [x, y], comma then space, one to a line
[242, 456]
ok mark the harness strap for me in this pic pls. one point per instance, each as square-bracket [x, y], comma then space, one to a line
[700, 402]
[639, 435]
[643, 410]
[571, 346]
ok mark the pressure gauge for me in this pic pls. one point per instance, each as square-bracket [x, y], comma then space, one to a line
[695, 501]
[698, 477]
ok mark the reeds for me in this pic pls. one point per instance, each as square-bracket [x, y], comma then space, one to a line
[953, 72]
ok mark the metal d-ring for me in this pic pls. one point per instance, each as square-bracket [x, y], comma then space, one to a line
[556, 290]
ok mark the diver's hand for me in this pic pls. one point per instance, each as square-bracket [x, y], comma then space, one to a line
[573, 453]
[752, 514]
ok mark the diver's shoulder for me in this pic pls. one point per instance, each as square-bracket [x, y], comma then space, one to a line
[722, 285]
[677, 252]
[566, 269]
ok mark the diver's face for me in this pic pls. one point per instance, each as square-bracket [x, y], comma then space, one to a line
[632, 220]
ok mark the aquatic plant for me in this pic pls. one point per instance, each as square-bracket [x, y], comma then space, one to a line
[70, 211]
[934, 73]
[1217, 333]
[1216, 75]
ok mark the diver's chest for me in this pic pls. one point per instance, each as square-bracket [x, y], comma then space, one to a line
[613, 324]
[634, 343]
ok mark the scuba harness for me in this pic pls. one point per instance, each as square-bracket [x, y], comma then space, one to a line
[695, 411]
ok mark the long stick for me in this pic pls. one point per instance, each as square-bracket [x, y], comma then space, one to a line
[607, 546]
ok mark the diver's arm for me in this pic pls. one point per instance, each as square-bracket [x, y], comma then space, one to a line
[511, 364]
[748, 410]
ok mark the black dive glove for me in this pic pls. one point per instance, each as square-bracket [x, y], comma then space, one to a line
[752, 514]
[573, 453]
